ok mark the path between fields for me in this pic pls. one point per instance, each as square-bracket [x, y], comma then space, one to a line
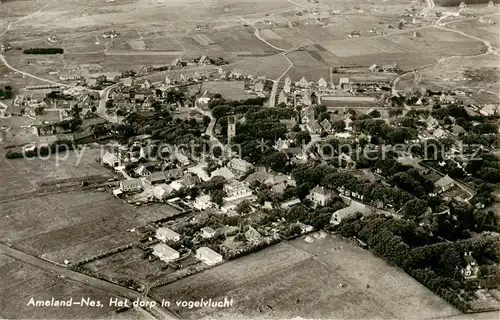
[25, 17]
[108, 287]
[2, 58]
[490, 50]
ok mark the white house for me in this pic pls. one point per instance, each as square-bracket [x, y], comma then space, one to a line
[224, 172]
[166, 234]
[208, 256]
[162, 191]
[111, 160]
[207, 232]
[353, 208]
[471, 269]
[202, 202]
[165, 253]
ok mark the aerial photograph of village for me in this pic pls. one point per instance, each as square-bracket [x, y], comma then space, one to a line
[249, 159]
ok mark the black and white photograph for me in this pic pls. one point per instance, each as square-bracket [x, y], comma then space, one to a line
[250, 159]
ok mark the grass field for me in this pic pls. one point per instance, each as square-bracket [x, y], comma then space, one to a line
[75, 225]
[271, 67]
[19, 282]
[127, 265]
[299, 279]
[231, 90]
[402, 49]
[479, 73]
[489, 32]
[68, 225]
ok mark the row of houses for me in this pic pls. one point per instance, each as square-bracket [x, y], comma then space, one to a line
[167, 254]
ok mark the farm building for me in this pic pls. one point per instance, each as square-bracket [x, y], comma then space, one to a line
[389, 68]
[165, 234]
[208, 256]
[131, 185]
[165, 253]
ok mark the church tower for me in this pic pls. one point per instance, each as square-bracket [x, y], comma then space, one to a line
[231, 128]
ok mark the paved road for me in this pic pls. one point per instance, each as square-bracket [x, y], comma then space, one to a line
[101, 110]
[102, 285]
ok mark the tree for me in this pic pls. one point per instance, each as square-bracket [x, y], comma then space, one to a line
[244, 207]
[39, 110]
[374, 114]
[415, 207]
[302, 138]
[109, 104]
[206, 121]
[217, 197]
[274, 160]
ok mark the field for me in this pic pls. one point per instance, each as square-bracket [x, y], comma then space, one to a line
[402, 49]
[74, 225]
[489, 32]
[161, 31]
[271, 67]
[19, 282]
[231, 90]
[300, 279]
[479, 74]
[68, 225]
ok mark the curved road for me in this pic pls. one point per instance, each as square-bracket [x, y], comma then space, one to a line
[2, 59]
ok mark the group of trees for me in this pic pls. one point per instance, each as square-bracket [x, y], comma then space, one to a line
[6, 92]
[163, 126]
[381, 132]
[328, 176]
[44, 51]
[435, 264]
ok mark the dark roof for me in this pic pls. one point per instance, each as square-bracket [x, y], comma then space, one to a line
[156, 176]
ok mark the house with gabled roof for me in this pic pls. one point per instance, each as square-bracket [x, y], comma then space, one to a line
[165, 253]
[302, 83]
[223, 172]
[444, 184]
[322, 83]
[321, 195]
[131, 185]
[282, 98]
[239, 166]
[327, 126]
[253, 235]
[155, 178]
[166, 234]
[111, 160]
